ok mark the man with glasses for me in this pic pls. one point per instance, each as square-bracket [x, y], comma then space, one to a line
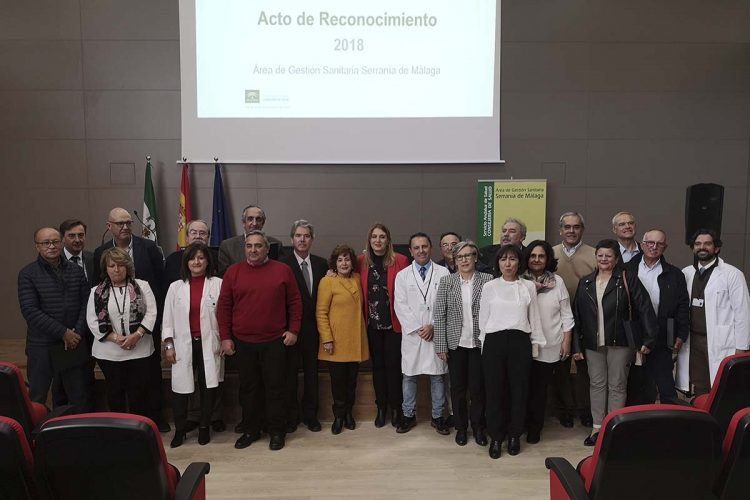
[666, 287]
[448, 242]
[53, 294]
[232, 250]
[575, 259]
[149, 266]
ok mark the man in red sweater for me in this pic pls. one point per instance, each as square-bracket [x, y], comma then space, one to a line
[259, 313]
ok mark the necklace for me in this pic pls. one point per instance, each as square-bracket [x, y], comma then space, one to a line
[120, 310]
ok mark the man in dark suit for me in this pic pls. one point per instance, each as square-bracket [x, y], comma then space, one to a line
[308, 270]
[514, 232]
[149, 266]
[232, 250]
[73, 233]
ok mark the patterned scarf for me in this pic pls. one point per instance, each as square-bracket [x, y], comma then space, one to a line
[543, 283]
[101, 301]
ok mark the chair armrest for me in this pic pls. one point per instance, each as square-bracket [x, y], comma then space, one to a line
[57, 412]
[192, 484]
[701, 402]
[566, 477]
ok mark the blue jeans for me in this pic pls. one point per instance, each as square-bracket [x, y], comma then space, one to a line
[410, 395]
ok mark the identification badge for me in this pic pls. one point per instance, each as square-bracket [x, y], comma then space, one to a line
[697, 303]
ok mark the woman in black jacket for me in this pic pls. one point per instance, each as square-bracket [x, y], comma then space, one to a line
[605, 301]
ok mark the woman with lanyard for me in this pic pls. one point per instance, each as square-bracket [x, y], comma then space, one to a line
[121, 311]
[191, 339]
[456, 339]
[378, 266]
[557, 327]
[509, 325]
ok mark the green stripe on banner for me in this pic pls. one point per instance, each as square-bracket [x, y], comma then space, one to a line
[485, 212]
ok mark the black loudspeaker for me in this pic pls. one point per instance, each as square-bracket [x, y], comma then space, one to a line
[704, 205]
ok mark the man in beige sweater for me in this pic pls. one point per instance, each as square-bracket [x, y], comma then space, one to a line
[575, 259]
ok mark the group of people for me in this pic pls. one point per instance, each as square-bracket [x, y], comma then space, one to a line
[493, 328]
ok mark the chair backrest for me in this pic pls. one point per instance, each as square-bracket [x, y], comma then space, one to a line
[656, 451]
[731, 390]
[733, 482]
[14, 397]
[16, 462]
[102, 455]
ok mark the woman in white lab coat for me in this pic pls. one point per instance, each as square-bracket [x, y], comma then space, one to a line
[191, 342]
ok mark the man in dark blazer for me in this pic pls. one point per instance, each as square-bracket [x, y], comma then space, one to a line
[232, 250]
[514, 232]
[73, 232]
[149, 266]
[308, 270]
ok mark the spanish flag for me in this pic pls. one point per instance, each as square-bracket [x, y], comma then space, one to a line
[186, 211]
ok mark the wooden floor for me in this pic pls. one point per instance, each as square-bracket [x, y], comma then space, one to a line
[377, 463]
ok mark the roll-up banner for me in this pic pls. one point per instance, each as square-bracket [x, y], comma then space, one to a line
[500, 199]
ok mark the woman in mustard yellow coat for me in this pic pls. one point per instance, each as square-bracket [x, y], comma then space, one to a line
[343, 335]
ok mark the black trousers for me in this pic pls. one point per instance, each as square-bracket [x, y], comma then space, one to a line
[506, 362]
[127, 385]
[539, 380]
[385, 351]
[465, 369]
[207, 395]
[660, 366]
[71, 386]
[343, 386]
[154, 388]
[571, 392]
[641, 388]
[304, 352]
[262, 370]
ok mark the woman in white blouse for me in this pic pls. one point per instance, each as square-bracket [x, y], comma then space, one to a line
[557, 327]
[121, 311]
[509, 324]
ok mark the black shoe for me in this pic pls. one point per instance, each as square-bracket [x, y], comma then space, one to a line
[163, 426]
[239, 428]
[514, 446]
[177, 440]
[291, 427]
[380, 418]
[406, 424]
[461, 437]
[396, 417]
[190, 426]
[246, 440]
[449, 421]
[495, 447]
[277, 442]
[591, 440]
[587, 421]
[204, 435]
[218, 426]
[480, 436]
[312, 424]
[336, 426]
[440, 426]
[566, 421]
[533, 437]
[349, 421]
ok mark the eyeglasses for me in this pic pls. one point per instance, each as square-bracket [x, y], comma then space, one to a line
[654, 244]
[467, 256]
[49, 243]
[122, 224]
[194, 232]
[448, 245]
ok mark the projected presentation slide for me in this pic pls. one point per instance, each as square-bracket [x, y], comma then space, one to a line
[345, 58]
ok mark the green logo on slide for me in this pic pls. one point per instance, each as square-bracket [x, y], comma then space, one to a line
[252, 96]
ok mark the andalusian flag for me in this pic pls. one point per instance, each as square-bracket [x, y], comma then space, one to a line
[186, 210]
[150, 218]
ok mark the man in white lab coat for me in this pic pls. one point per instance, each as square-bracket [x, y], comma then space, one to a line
[719, 315]
[414, 298]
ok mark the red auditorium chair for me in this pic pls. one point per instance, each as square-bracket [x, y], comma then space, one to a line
[730, 392]
[16, 462]
[645, 452]
[15, 402]
[734, 479]
[110, 456]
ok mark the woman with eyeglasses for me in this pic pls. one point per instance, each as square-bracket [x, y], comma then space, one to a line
[509, 325]
[456, 339]
[605, 300]
[121, 314]
[378, 267]
[557, 326]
